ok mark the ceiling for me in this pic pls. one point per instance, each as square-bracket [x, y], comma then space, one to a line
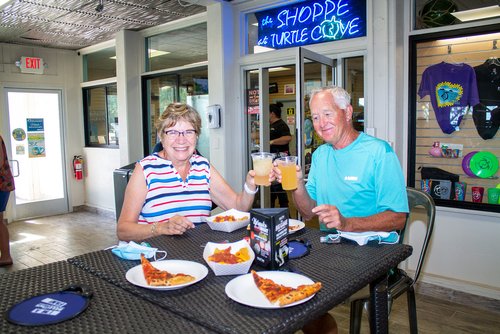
[75, 24]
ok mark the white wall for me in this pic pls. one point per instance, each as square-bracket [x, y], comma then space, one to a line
[62, 73]
[463, 252]
[99, 186]
[227, 142]
[100, 163]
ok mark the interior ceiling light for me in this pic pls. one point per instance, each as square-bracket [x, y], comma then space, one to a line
[478, 13]
[152, 53]
[273, 69]
[260, 48]
[156, 53]
[3, 2]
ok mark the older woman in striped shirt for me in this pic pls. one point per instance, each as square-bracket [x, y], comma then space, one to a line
[172, 190]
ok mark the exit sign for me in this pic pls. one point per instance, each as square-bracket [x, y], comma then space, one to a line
[31, 65]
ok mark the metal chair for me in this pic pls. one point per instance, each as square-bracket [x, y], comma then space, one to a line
[403, 282]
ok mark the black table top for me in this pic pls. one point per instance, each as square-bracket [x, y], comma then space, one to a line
[341, 268]
[111, 309]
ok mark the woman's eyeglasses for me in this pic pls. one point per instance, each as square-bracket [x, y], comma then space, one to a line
[173, 134]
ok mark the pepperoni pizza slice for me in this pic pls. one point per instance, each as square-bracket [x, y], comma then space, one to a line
[157, 277]
[301, 292]
[283, 295]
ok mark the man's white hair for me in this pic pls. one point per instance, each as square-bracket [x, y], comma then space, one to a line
[340, 96]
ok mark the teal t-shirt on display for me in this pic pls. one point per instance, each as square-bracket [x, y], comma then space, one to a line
[361, 179]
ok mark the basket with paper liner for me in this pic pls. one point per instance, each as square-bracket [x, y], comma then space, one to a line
[229, 221]
[229, 258]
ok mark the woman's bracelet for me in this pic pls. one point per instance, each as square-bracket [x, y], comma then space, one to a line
[153, 228]
[248, 190]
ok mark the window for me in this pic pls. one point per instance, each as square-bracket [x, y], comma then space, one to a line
[177, 48]
[99, 65]
[99, 102]
[439, 13]
[189, 86]
[101, 116]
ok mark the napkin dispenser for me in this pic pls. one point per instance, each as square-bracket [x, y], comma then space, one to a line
[269, 237]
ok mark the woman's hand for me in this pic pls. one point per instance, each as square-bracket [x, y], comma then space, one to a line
[275, 173]
[250, 179]
[175, 226]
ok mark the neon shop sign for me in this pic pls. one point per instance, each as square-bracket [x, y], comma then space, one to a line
[311, 22]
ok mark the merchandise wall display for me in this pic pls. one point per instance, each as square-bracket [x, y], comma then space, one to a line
[486, 114]
[452, 88]
[457, 115]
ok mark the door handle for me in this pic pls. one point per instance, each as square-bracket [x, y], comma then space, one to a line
[17, 167]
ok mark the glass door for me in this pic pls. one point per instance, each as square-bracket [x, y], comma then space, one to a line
[258, 97]
[313, 71]
[36, 147]
[286, 85]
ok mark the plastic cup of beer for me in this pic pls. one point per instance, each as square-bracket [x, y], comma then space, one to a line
[262, 165]
[287, 166]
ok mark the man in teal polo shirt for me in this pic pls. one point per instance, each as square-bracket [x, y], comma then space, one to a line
[355, 183]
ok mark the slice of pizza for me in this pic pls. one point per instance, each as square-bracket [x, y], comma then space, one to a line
[271, 290]
[179, 279]
[157, 277]
[301, 292]
[281, 294]
[154, 276]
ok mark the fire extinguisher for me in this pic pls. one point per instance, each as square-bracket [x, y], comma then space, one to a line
[78, 167]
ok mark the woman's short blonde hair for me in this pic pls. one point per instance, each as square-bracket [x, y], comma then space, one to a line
[175, 112]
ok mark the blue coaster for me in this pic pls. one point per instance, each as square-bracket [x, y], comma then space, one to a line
[298, 248]
[50, 308]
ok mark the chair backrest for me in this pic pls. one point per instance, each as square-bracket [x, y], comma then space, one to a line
[419, 198]
[158, 147]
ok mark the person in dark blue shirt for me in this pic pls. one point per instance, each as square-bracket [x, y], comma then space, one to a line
[280, 138]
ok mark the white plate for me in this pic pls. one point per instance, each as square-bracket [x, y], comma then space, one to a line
[244, 219]
[297, 225]
[243, 290]
[135, 275]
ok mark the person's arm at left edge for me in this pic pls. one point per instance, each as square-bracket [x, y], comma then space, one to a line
[225, 197]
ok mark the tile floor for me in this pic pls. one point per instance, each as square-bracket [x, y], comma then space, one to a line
[39, 241]
[43, 240]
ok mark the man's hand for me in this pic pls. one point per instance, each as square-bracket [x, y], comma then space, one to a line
[276, 173]
[330, 216]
